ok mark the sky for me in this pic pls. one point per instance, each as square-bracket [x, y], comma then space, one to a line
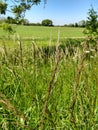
[61, 11]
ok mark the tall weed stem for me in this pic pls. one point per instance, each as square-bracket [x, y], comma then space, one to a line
[76, 83]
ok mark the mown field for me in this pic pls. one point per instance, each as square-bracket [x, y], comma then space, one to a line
[46, 32]
[49, 84]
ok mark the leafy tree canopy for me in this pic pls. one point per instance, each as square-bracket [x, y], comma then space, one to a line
[18, 7]
[3, 7]
[82, 23]
[92, 22]
[47, 22]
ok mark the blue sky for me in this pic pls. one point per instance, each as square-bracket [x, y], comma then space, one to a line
[61, 11]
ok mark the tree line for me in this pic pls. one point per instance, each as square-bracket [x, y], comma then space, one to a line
[23, 21]
[45, 22]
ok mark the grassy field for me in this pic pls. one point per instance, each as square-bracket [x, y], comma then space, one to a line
[48, 87]
[43, 36]
[46, 32]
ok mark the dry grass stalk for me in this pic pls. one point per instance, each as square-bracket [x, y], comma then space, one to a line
[51, 83]
[21, 53]
[6, 102]
[48, 94]
[76, 84]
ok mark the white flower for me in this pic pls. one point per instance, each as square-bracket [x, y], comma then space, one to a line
[87, 51]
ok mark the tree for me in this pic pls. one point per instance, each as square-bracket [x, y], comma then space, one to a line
[24, 22]
[82, 23]
[18, 7]
[71, 25]
[47, 22]
[92, 23]
[3, 7]
[10, 20]
[76, 25]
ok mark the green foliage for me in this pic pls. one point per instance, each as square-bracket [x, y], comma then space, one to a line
[3, 7]
[92, 23]
[25, 76]
[10, 20]
[8, 28]
[76, 25]
[47, 22]
[18, 10]
[82, 23]
[21, 21]
[18, 7]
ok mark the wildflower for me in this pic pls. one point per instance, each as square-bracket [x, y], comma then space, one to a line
[87, 52]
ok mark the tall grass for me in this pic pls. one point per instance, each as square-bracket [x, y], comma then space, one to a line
[49, 87]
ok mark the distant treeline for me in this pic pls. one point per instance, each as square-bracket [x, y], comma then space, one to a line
[11, 20]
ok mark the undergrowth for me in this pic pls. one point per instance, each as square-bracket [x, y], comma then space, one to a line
[49, 88]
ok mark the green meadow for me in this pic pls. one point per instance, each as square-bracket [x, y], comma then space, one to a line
[46, 32]
[48, 79]
[43, 36]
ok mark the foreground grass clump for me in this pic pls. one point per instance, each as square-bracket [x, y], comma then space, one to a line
[49, 87]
